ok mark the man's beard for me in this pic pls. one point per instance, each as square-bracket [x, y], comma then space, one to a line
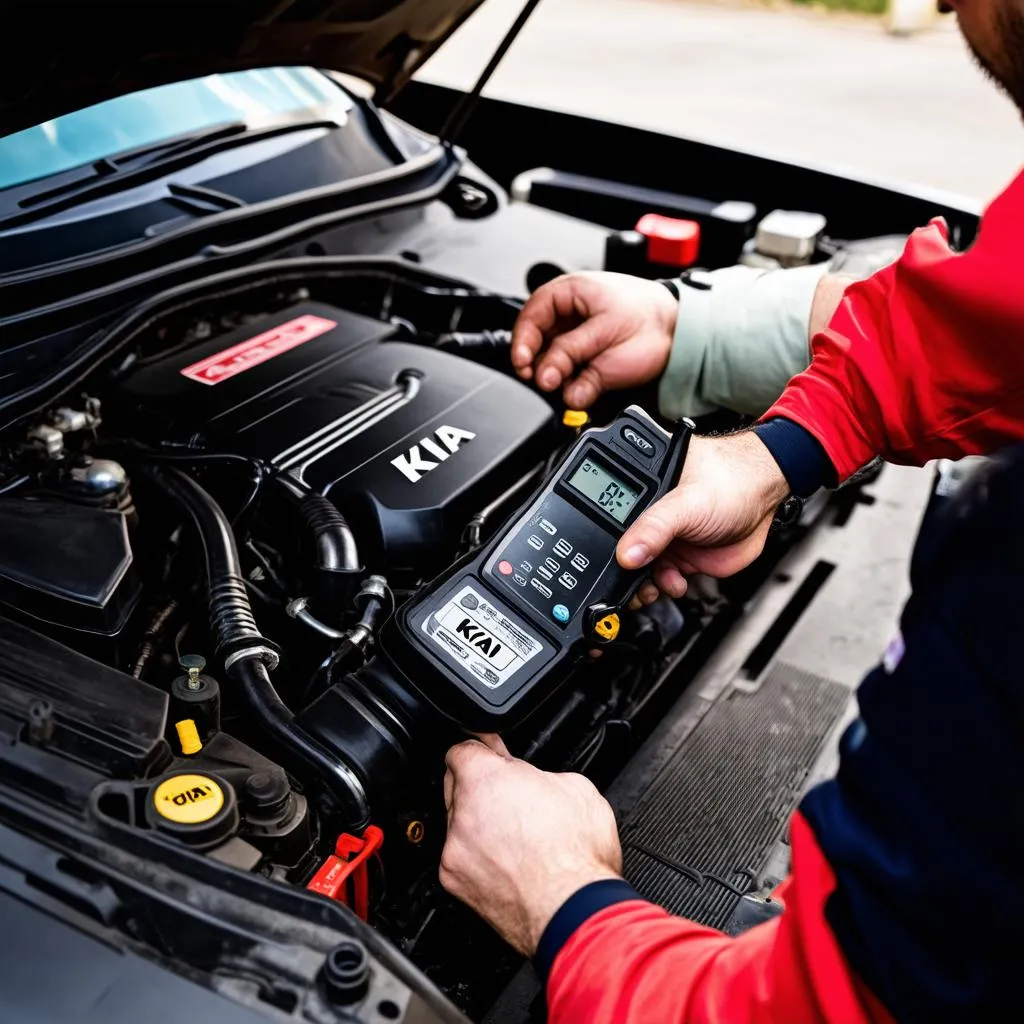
[1006, 68]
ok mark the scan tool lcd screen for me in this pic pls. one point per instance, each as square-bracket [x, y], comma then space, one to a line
[604, 489]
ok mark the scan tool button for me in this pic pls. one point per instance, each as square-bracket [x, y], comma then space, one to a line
[642, 444]
[560, 614]
[505, 568]
[535, 542]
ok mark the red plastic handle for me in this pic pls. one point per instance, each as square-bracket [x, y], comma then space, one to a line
[350, 860]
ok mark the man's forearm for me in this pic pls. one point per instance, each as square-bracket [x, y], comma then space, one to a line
[738, 342]
[799, 454]
[772, 317]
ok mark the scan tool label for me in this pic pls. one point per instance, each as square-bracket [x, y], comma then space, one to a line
[471, 630]
[247, 354]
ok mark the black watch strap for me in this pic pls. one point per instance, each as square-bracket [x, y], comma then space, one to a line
[694, 278]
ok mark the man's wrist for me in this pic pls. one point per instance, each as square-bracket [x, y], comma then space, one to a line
[552, 894]
[579, 907]
[767, 483]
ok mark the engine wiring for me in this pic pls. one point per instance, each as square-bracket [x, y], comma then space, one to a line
[153, 636]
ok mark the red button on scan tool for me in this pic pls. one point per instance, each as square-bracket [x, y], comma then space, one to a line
[505, 568]
[670, 241]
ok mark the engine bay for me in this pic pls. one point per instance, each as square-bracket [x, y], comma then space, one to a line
[275, 470]
[208, 538]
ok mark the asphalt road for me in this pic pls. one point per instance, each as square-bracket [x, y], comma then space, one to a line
[832, 90]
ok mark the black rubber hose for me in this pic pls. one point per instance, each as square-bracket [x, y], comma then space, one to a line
[334, 543]
[278, 721]
[234, 629]
[475, 343]
[231, 617]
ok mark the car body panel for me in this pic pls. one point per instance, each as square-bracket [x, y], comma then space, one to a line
[63, 57]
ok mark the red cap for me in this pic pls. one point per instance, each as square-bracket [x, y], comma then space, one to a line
[669, 240]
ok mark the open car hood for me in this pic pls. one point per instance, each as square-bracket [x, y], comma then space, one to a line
[60, 57]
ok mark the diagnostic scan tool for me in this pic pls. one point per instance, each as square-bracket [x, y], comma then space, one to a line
[484, 642]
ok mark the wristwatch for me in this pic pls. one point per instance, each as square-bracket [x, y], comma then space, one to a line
[788, 513]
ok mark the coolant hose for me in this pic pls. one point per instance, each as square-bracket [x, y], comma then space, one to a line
[335, 545]
[335, 555]
[263, 700]
[244, 650]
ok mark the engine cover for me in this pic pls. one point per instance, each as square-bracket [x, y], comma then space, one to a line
[408, 441]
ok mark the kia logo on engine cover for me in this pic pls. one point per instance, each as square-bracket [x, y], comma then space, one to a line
[441, 447]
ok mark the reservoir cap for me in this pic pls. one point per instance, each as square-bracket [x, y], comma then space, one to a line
[188, 799]
[199, 809]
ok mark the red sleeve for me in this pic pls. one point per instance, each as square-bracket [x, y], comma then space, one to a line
[925, 359]
[633, 963]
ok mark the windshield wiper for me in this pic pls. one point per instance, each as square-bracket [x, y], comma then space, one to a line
[187, 144]
[128, 170]
[117, 163]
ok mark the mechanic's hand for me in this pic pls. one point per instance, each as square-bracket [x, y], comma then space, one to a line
[594, 332]
[715, 522]
[521, 841]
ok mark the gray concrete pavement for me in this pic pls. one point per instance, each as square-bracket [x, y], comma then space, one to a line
[831, 90]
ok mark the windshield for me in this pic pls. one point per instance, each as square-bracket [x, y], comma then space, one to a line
[145, 118]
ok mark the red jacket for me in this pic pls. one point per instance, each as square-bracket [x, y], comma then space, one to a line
[918, 363]
[636, 964]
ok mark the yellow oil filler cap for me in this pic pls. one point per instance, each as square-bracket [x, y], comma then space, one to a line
[188, 799]
[575, 418]
[607, 628]
[188, 736]
[197, 809]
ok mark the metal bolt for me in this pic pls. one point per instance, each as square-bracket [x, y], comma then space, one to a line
[193, 665]
[415, 831]
[41, 722]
